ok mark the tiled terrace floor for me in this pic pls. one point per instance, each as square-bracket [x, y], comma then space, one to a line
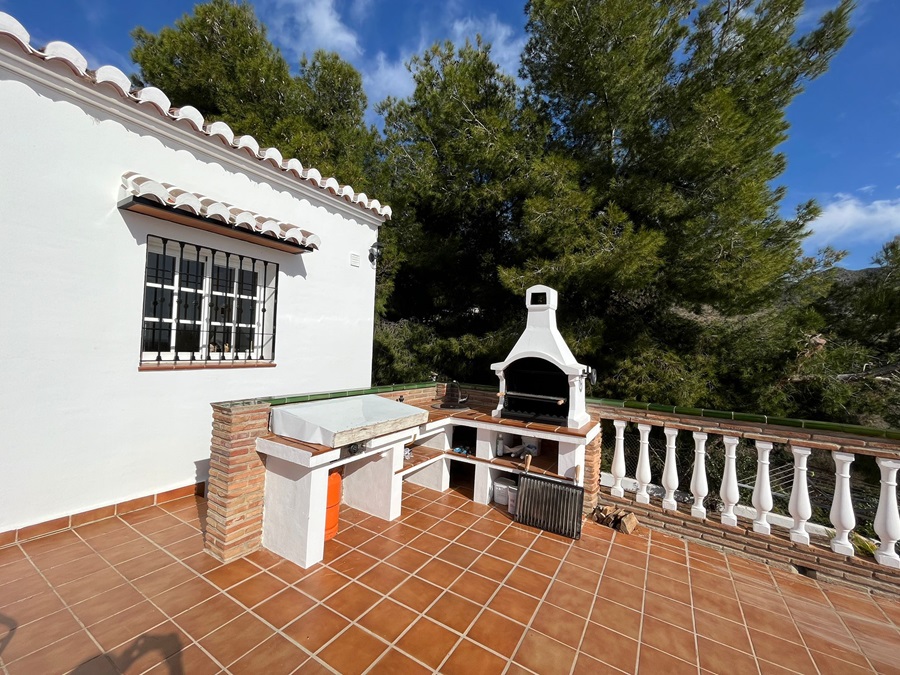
[454, 587]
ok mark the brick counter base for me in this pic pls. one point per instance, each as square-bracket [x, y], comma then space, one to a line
[775, 549]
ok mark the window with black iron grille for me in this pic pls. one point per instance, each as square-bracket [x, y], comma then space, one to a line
[201, 304]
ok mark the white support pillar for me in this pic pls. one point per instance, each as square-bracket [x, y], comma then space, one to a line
[618, 462]
[887, 521]
[570, 456]
[485, 444]
[842, 507]
[762, 491]
[699, 487]
[670, 471]
[643, 466]
[800, 508]
[372, 484]
[729, 489]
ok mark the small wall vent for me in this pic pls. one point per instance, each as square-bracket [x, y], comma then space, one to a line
[354, 260]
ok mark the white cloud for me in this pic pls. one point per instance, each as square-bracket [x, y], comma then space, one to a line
[387, 78]
[506, 43]
[849, 221]
[867, 189]
[301, 26]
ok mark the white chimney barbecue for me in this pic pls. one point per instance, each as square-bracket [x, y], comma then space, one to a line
[540, 380]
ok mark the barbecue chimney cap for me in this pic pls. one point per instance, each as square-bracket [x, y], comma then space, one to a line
[541, 298]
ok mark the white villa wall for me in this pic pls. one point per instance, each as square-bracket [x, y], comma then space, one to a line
[80, 426]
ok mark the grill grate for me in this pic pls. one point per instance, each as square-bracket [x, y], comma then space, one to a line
[551, 505]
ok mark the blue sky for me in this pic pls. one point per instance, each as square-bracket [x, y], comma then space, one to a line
[844, 146]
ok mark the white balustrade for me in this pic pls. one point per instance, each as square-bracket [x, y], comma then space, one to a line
[799, 506]
[643, 466]
[618, 462]
[842, 507]
[887, 521]
[670, 471]
[729, 489]
[698, 480]
[762, 491]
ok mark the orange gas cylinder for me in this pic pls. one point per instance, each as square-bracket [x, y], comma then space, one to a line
[333, 509]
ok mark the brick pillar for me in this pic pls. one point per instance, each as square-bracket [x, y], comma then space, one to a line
[592, 456]
[237, 479]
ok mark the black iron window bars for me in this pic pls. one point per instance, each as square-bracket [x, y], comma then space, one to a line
[205, 305]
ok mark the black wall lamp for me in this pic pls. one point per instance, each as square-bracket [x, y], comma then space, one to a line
[375, 252]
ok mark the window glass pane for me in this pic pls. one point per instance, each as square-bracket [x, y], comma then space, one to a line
[246, 311]
[187, 339]
[192, 274]
[223, 279]
[247, 282]
[160, 268]
[190, 306]
[244, 338]
[157, 337]
[158, 302]
[219, 339]
[220, 308]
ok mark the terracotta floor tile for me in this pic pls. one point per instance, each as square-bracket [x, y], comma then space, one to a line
[475, 587]
[322, 583]
[571, 598]
[671, 570]
[655, 661]
[591, 561]
[439, 573]
[201, 563]
[408, 560]
[829, 665]
[415, 594]
[628, 556]
[428, 544]
[58, 556]
[106, 604]
[353, 564]
[203, 619]
[428, 642]
[401, 533]
[587, 665]
[39, 634]
[289, 572]
[164, 579]
[780, 624]
[190, 661]
[43, 545]
[9, 554]
[99, 665]
[783, 653]
[149, 649]
[445, 530]
[469, 658]
[263, 558]
[21, 613]
[380, 547]
[713, 603]
[551, 547]
[544, 655]
[475, 540]
[281, 609]
[275, 656]
[491, 567]
[617, 617]
[232, 573]
[620, 652]
[531, 584]
[387, 619]
[351, 536]
[76, 569]
[437, 510]
[173, 534]
[514, 604]
[89, 586]
[394, 662]
[454, 612]
[712, 582]
[717, 657]
[497, 632]
[623, 594]
[670, 611]
[230, 642]
[144, 515]
[723, 631]
[353, 652]
[559, 624]
[578, 576]
[334, 550]
[353, 600]
[461, 518]
[669, 639]
[456, 554]
[61, 656]
[184, 596]
[256, 589]
[132, 548]
[489, 527]
[383, 578]
[315, 628]
[126, 625]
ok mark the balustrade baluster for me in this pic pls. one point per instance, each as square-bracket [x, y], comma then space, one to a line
[729, 489]
[887, 521]
[618, 462]
[643, 467]
[670, 471]
[698, 480]
[842, 507]
[762, 491]
[800, 508]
